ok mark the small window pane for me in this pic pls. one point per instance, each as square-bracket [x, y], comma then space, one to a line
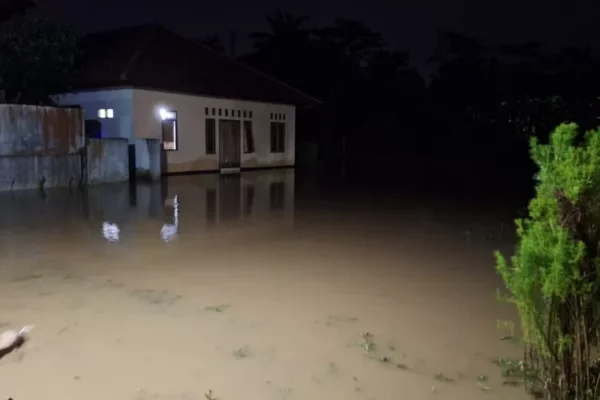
[206, 111]
[248, 137]
[226, 112]
[210, 136]
[102, 113]
[110, 113]
[169, 134]
[277, 137]
[281, 138]
[220, 112]
[273, 137]
[249, 114]
[214, 112]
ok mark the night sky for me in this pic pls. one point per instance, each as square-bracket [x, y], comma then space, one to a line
[411, 26]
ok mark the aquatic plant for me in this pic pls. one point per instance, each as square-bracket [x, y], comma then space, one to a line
[367, 342]
[553, 278]
[210, 396]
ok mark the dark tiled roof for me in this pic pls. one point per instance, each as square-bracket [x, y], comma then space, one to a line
[153, 57]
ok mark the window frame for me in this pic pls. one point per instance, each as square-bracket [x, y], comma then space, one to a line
[278, 137]
[174, 122]
[105, 113]
[249, 146]
[213, 150]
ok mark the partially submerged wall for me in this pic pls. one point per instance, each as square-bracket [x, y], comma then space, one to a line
[147, 159]
[30, 172]
[107, 160]
[39, 146]
[45, 147]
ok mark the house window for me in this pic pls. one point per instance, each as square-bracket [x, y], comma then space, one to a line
[205, 110]
[248, 137]
[239, 114]
[214, 112]
[249, 114]
[277, 137]
[244, 113]
[210, 136]
[220, 112]
[106, 113]
[169, 130]
[226, 112]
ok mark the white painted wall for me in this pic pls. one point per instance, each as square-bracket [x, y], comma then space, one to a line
[120, 100]
[136, 116]
[191, 154]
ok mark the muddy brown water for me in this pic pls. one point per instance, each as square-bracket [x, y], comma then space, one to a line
[264, 292]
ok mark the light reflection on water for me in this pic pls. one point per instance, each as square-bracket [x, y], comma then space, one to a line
[119, 211]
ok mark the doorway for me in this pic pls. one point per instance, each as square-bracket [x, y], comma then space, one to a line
[229, 145]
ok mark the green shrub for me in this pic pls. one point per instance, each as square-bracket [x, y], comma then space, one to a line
[553, 277]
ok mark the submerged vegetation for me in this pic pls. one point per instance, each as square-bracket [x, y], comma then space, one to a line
[553, 277]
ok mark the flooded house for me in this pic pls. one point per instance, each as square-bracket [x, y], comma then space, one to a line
[209, 112]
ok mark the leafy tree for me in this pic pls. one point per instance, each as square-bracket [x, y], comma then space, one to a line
[14, 8]
[285, 30]
[553, 278]
[214, 42]
[357, 42]
[37, 58]
[364, 85]
[464, 81]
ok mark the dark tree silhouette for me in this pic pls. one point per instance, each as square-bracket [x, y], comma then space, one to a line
[285, 29]
[14, 8]
[38, 58]
[364, 85]
[214, 42]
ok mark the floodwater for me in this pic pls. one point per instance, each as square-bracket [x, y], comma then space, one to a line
[255, 287]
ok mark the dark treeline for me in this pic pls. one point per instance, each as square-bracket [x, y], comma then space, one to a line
[472, 117]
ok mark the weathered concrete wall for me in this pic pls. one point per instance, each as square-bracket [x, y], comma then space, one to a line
[147, 159]
[34, 130]
[31, 172]
[39, 146]
[107, 160]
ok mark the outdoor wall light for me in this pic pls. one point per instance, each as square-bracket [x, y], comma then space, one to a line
[166, 114]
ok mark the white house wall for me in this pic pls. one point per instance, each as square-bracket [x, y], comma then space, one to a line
[120, 100]
[191, 154]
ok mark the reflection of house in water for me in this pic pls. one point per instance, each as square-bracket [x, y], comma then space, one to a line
[177, 206]
[218, 199]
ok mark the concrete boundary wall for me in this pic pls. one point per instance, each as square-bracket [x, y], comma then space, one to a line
[42, 147]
